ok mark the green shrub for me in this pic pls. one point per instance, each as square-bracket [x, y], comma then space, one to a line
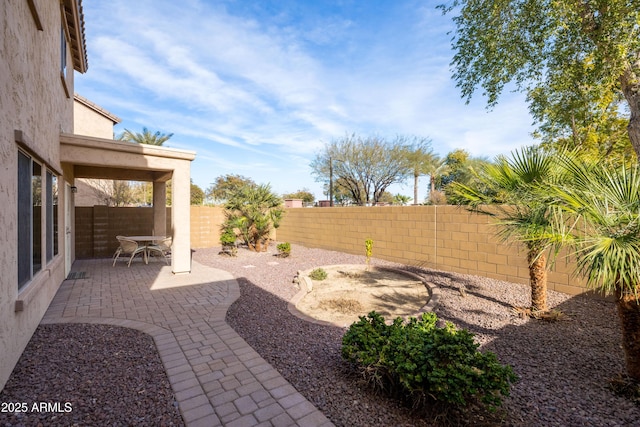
[421, 360]
[318, 274]
[228, 237]
[284, 249]
[228, 240]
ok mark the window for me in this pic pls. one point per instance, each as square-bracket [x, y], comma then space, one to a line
[51, 187]
[63, 52]
[32, 205]
[24, 219]
[36, 216]
[63, 59]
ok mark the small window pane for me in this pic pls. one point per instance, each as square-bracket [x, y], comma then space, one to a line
[24, 219]
[56, 205]
[63, 52]
[36, 188]
[49, 217]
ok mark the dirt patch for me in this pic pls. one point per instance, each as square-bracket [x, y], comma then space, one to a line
[350, 291]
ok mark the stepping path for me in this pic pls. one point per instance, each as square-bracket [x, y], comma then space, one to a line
[217, 378]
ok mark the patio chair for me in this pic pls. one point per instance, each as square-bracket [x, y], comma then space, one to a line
[128, 247]
[163, 247]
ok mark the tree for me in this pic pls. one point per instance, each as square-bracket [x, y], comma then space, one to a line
[197, 195]
[574, 55]
[303, 194]
[146, 137]
[253, 210]
[605, 201]
[436, 170]
[421, 161]
[111, 193]
[601, 133]
[226, 185]
[401, 200]
[366, 166]
[510, 194]
[460, 167]
[341, 194]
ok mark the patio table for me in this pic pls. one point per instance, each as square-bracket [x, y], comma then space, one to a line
[146, 241]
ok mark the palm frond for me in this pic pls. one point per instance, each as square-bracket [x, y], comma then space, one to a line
[606, 201]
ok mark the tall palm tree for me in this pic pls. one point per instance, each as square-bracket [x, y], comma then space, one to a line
[510, 192]
[604, 201]
[421, 160]
[435, 170]
[146, 137]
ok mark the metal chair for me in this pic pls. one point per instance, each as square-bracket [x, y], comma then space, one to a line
[128, 247]
[163, 247]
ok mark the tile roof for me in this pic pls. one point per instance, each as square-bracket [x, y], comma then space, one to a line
[75, 22]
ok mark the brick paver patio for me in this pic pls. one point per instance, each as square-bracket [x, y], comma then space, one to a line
[217, 378]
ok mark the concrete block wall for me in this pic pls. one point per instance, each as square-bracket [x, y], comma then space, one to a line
[205, 226]
[445, 238]
[98, 226]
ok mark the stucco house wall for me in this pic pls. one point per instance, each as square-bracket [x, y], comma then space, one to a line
[36, 105]
[92, 120]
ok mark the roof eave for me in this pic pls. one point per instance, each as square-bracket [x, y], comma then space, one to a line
[75, 22]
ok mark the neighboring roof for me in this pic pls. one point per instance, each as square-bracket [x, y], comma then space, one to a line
[75, 21]
[95, 107]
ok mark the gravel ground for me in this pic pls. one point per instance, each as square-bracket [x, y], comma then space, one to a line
[564, 367]
[89, 375]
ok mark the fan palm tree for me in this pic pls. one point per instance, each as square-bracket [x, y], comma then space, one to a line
[605, 201]
[254, 211]
[146, 137]
[509, 191]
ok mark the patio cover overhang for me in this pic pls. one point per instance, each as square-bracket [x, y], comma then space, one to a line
[109, 159]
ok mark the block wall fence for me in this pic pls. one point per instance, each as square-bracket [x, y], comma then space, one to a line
[98, 226]
[445, 238]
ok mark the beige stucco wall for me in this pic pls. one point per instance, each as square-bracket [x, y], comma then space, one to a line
[87, 121]
[32, 100]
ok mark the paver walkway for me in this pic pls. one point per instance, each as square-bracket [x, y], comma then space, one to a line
[217, 378]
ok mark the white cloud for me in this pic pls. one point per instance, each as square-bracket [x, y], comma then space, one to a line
[248, 88]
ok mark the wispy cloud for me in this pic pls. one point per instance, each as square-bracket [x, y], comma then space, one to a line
[258, 87]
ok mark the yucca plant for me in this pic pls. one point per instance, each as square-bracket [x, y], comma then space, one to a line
[513, 193]
[604, 202]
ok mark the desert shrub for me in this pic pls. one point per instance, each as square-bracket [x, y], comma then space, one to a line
[422, 361]
[228, 240]
[284, 249]
[318, 274]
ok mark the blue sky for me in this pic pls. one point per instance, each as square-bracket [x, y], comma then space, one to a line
[257, 88]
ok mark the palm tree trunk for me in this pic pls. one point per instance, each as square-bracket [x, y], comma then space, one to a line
[432, 186]
[629, 313]
[415, 189]
[538, 280]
